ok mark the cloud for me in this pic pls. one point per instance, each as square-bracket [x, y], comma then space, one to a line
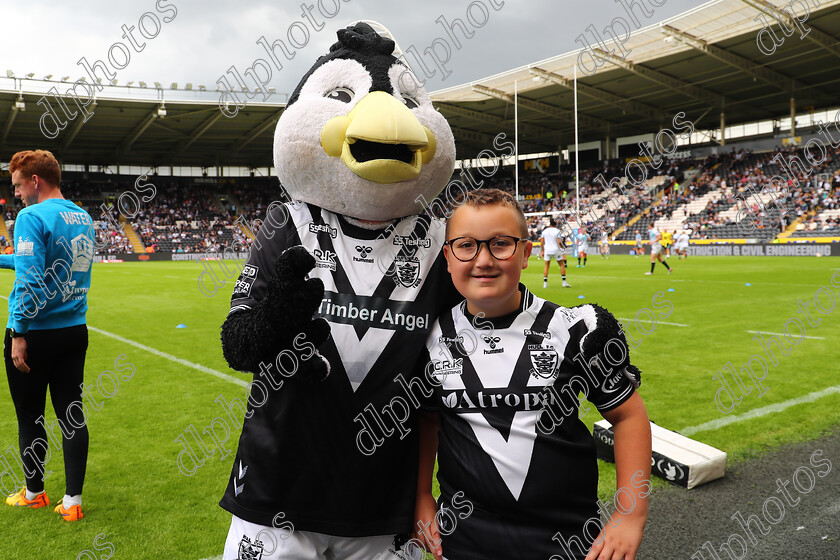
[208, 37]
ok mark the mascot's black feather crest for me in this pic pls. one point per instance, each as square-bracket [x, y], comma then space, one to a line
[363, 39]
[361, 43]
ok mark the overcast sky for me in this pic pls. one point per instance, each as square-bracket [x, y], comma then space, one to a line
[206, 37]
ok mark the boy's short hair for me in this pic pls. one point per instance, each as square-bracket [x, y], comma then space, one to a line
[485, 197]
[38, 162]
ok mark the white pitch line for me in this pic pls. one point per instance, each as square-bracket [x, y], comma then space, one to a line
[176, 359]
[758, 412]
[781, 334]
[654, 322]
[172, 358]
[670, 279]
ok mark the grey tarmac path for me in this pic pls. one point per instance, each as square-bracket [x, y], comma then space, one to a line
[681, 521]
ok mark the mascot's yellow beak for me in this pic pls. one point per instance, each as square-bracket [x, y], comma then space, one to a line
[380, 140]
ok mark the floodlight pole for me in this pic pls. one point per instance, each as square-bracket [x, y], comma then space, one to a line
[516, 134]
[577, 160]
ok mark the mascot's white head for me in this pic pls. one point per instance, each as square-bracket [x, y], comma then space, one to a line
[360, 136]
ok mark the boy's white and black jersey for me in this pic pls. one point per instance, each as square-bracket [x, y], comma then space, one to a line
[300, 454]
[510, 438]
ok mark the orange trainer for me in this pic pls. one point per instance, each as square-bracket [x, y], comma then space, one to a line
[19, 499]
[73, 513]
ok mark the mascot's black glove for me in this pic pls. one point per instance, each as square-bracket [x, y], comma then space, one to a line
[281, 323]
[595, 341]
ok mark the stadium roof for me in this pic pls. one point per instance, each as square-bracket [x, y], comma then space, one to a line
[701, 62]
[143, 129]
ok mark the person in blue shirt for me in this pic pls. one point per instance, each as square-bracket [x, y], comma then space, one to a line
[46, 334]
[582, 238]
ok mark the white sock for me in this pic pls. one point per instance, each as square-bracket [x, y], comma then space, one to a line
[32, 495]
[69, 501]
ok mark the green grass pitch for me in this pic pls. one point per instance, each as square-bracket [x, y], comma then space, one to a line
[136, 499]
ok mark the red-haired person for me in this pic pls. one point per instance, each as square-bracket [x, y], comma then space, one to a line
[46, 334]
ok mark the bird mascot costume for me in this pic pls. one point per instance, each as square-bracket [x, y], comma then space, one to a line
[332, 309]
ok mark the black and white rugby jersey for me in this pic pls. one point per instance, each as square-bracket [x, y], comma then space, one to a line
[301, 453]
[510, 440]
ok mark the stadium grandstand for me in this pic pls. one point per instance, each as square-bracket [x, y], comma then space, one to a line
[725, 142]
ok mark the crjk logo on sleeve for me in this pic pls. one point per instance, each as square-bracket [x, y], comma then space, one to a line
[325, 259]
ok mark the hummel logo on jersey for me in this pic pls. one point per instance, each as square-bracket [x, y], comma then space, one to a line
[407, 271]
[250, 550]
[333, 232]
[410, 241]
[324, 259]
[545, 361]
[237, 488]
[492, 341]
[363, 251]
[537, 333]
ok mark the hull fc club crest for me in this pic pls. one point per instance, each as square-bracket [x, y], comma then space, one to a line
[407, 271]
[250, 550]
[544, 360]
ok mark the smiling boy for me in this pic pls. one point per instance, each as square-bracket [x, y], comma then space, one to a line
[512, 487]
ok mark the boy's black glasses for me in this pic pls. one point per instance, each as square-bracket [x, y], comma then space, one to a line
[502, 247]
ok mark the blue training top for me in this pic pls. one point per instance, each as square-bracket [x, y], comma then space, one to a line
[54, 245]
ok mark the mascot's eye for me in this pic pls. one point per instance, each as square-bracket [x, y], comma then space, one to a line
[410, 102]
[342, 94]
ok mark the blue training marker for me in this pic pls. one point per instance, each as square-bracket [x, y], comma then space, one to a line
[670, 289]
[747, 284]
[181, 326]
[581, 297]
